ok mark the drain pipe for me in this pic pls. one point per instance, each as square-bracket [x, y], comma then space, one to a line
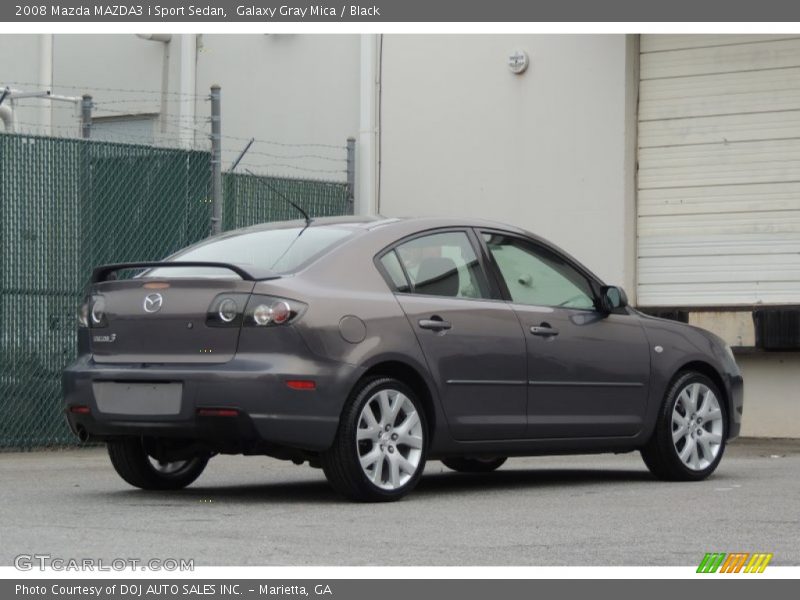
[186, 90]
[46, 81]
[164, 38]
[7, 116]
[366, 202]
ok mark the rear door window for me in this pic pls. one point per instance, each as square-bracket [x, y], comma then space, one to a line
[443, 264]
[394, 272]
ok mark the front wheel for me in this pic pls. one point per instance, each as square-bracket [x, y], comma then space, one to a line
[690, 434]
[379, 451]
[132, 462]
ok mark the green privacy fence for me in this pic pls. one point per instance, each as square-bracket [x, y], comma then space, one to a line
[67, 205]
[250, 199]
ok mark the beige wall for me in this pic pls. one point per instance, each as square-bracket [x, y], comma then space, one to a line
[292, 89]
[300, 89]
[771, 394]
[19, 67]
[545, 150]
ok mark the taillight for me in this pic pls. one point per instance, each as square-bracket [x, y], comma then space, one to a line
[92, 313]
[265, 311]
[262, 314]
[83, 314]
[98, 312]
[226, 310]
[281, 312]
[233, 310]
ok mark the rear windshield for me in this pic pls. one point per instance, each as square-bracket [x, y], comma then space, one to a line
[278, 250]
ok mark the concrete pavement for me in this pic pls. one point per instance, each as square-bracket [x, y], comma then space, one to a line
[579, 510]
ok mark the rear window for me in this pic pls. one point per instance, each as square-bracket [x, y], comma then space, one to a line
[278, 250]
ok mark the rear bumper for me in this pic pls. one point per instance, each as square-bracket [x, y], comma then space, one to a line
[268, 410]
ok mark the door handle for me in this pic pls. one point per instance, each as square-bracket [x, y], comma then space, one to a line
[544, 330]
[435, 323]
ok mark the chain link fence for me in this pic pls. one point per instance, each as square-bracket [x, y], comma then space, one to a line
[252, 199]
[67, 205]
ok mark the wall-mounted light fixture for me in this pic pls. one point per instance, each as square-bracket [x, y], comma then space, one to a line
[518, 62]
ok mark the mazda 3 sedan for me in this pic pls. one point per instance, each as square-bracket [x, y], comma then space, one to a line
[368, 346]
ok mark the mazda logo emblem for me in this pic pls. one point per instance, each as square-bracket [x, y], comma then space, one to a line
[153, 303]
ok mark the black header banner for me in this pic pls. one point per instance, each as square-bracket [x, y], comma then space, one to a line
[387, 11]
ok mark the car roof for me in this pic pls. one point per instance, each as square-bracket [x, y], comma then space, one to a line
[389, 229]
[378, 221]
[385, 227]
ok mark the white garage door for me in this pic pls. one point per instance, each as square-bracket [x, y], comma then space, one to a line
[719, 170]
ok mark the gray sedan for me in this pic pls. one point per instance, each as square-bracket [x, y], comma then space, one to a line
[368, 346]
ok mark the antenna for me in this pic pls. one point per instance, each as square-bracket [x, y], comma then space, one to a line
[281, 194]
[238, 158]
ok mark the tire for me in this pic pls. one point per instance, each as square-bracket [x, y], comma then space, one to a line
[680, 448]
[474, 465]
[135, 466]
[392, 448]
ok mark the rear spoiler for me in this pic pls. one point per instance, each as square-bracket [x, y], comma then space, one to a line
[246, 272]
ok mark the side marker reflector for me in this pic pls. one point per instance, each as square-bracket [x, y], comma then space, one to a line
[217, 412]
[302, 384]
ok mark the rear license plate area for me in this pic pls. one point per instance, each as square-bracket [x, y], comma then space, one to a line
[140, 399]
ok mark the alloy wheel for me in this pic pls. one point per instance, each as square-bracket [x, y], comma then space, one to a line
[697, 426]
[389, 438]
[167, 468]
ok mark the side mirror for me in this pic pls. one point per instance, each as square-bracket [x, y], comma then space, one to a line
[612, 298]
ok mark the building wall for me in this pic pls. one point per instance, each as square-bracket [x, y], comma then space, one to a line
[719, 164]
[300, 89]
[22, 70]
[550, 150]
[718, 209]
[545, 150]
[297, 90]
[772, 394]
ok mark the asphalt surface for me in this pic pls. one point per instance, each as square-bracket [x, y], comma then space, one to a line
[582, 510]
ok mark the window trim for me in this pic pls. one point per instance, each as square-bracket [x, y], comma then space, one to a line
[594, 283]
[495, 293]
[378, 261]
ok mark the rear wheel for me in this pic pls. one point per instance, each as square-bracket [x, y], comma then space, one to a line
[689, 438]
[474, 465]
[138, 468]
[379, 451]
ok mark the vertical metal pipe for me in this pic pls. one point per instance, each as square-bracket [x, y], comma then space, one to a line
[216, 160]
[368, 128]
[351, 171]
[46, 82]
[186, 89]
[164, 113]
[86, 116]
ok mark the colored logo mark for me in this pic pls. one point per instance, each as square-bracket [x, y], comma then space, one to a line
[736, 562]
